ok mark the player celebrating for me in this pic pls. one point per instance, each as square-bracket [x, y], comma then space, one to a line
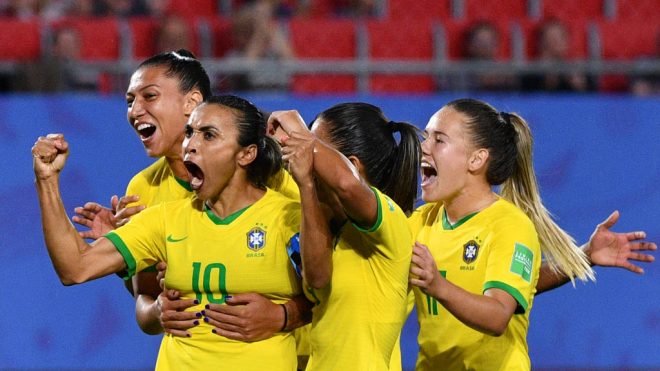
[230, 238]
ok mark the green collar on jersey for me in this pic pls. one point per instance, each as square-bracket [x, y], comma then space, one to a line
[447, 226]
[184, 184]
[223, 221]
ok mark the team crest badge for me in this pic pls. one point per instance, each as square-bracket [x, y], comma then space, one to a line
[256, 239]
[470, 251]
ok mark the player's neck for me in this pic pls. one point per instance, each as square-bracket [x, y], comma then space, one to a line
[469, 201]
[235, 197]
[178, 168]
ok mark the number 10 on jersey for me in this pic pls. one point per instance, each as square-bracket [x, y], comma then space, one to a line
[215, 273]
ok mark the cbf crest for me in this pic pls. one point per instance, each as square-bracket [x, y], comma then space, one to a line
[256, 239]
[470, 251]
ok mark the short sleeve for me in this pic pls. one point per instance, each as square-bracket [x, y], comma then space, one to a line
[514, 260]
[141, 242]
[390, 233]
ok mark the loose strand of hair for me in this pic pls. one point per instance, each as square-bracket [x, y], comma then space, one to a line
[557, 246]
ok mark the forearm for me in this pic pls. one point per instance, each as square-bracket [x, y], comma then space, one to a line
[480, 312]
[64, 245]
[299, 312]
[343, 178]
[550, 279]
[315, 238]
[147, 315]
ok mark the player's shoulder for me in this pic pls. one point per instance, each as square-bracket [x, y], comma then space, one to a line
[505, 214]
[276, 198]
[426, 213]
[156, 169]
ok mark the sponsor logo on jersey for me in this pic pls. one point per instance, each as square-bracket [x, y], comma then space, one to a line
[170, 238]
[521, 262]
[390, 204]
[256, 239]
[470, 251]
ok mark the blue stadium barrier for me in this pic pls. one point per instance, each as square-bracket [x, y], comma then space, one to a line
[593, 154]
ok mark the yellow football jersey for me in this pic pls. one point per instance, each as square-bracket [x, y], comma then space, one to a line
[284, 183]
[495, 248]
[156, 184]
[209, 258]
[359, 315]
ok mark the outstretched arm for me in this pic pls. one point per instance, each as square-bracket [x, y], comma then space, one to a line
[605, 248]
[73, 259]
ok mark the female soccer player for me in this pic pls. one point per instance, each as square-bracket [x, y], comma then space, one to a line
[162, 93]
[351, 162]
[477, 257]
[230, 238]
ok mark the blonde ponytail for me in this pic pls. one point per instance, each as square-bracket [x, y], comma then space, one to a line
[521, 189]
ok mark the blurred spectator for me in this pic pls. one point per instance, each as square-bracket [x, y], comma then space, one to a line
[482, 44]
[23, 9]
[647, 84]
[554, 45]
[120, 8]
[257, 37]
[157, 8]
[354, 8]
[60, 70]
[69, 8]
[173, 34]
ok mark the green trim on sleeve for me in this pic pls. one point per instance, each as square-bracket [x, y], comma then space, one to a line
[379, 218]
[125, 253]
[522, 303]
[184, 184]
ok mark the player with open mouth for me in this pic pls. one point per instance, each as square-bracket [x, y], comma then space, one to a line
[230, 238]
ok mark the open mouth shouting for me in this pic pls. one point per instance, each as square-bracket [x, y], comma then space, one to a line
[429, 174]
[145, 130]
[196, 175]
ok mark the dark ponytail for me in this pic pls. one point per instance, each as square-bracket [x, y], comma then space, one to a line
[361, 130]
[251, 126]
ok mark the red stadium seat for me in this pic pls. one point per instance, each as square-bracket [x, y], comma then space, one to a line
[456, 33]
[222, 35]
[418, 9]
[577, 30]
[626, 40]
[144, 33]
[99, 37]
[193, 8]
[646, 10]
[143, 36]
[495, 10]
[568, 10]
[323, 39]
[19, 40]
[401, 40]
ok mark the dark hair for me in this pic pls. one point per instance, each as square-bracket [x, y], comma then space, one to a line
[252, 130]
[492, 131]
[361, 130]
[182, 65]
